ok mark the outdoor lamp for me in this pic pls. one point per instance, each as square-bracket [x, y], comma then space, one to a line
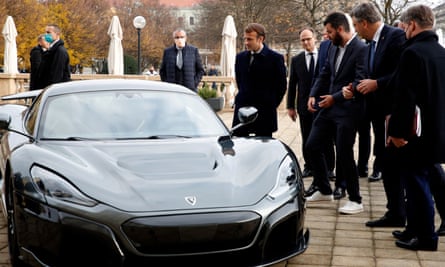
[139, 23]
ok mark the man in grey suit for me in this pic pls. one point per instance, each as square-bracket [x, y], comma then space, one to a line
[181, 63]
[338, 117]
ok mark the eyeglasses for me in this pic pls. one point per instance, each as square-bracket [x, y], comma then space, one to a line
[179, 37]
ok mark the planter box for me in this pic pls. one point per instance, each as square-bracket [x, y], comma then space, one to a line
[216, 103]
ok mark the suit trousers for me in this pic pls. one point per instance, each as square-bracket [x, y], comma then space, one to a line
[393, 185]
[343, 129]
[420, 205]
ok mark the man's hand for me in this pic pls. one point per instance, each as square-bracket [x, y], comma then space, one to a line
[367, 86]
[310, 104]
[347, 91]
[397, 142]
[327, 101]
[292, 114]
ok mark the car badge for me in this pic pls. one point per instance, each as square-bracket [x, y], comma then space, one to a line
[191, 200]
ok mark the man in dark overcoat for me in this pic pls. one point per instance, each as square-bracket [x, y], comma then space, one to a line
[417, 123]
[261, 79]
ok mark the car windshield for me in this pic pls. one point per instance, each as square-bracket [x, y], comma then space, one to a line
[127, 114]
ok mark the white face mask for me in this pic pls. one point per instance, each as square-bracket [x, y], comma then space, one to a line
[180, 39]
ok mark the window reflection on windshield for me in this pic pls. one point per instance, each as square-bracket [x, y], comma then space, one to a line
[127, 114]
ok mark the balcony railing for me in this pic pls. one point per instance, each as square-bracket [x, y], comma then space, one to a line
[15, 83]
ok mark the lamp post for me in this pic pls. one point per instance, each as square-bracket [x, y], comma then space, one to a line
[139, 23]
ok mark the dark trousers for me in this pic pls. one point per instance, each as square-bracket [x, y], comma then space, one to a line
[393, 184]
[306, 119]
[420, 205]
[324, 129]
[437, 185]
[364, 144]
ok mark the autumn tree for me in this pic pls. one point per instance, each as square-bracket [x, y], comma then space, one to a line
[155, 36]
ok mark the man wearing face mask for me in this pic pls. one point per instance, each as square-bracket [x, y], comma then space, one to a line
[55, 65]
[181, 63]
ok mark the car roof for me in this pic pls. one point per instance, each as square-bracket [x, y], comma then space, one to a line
[114, 84]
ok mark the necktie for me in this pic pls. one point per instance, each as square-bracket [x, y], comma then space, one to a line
[252, 57]
[371, 54]
[179, 59]
[311, 66]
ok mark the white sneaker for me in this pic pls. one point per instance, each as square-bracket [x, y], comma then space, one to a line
[318, 196]
[351, 207]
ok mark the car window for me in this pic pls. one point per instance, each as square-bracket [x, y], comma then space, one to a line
[30, 120]
[127, 114]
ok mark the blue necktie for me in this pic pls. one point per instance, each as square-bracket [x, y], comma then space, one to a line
[371, 54]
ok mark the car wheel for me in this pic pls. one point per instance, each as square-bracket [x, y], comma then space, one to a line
[14, 250]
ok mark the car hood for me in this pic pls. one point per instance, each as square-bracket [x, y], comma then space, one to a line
[168, 174]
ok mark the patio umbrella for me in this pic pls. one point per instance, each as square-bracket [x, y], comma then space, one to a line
[228, 53]
[228, 47]
[115, 52]
[10, 57]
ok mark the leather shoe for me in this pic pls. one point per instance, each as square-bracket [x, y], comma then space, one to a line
[402, 235]
[311, 190]
[306, 173]
[386, 222]
[416, 244]
[441, 230]
[375, 176]
[339, 193]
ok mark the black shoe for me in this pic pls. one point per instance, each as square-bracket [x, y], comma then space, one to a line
[339, 193]
[312, 189]
[306, 173]
[375, 176]
[386, 222]
[416, 244]
[331, 175]
[441, 230]
[402, 235]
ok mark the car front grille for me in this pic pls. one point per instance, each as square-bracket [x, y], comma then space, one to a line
[192, 233]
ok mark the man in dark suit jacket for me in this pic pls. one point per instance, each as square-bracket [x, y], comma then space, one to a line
[388, 42]
[419, 89]
[35, 58]
[261, 79]
[181, 63]
[300, 82]
[338, 117]
[303, 70]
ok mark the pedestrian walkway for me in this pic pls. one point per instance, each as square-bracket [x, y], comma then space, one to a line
[344, 240]
[336, 240]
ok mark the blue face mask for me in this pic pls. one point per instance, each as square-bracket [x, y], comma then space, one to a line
[48, 38]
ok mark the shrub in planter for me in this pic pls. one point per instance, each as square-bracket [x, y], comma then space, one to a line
[210, 95]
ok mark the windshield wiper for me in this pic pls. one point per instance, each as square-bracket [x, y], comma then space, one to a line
[70, 138]
[165, 136]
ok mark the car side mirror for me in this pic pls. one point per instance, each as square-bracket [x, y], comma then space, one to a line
[246, 115]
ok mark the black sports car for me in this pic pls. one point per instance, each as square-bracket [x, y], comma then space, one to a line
[142, 173]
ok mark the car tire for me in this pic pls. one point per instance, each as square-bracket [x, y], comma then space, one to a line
[14, 250]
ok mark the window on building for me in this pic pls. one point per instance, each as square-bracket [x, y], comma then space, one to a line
[192, 21]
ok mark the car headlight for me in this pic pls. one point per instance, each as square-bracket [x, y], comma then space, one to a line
[286, 178]
[53, 186]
